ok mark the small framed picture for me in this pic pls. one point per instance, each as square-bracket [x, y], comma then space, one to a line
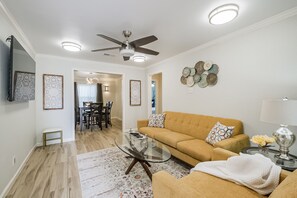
[135, 93]
[53, 93]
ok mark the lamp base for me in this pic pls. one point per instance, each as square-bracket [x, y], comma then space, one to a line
[284, 138]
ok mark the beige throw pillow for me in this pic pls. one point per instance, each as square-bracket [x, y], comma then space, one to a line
[219, 132]
[156, 120]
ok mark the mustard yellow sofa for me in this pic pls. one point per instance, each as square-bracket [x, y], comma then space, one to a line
[201, 185]
[184, 135]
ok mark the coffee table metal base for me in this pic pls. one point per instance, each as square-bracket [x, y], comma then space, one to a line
[144, 165]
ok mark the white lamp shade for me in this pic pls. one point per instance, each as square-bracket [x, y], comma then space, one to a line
[279, 112]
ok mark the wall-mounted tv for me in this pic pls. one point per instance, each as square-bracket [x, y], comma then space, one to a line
[21, 73]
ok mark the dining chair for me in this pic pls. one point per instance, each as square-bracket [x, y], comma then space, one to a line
[96, 115]
[108, 109]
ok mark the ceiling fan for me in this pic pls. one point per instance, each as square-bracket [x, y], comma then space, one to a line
[127, 49]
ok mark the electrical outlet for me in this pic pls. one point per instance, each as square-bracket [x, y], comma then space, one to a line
[13, 160]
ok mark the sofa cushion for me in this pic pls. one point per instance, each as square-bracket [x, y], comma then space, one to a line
[287, 188]
[198, 126]
[171, 138]
[211, 186]
[151, 131]
[156, 120]
[196, 148]
[218, 133]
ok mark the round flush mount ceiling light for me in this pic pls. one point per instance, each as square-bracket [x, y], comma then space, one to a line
[223, 14]
[139, 59]
[70, 46]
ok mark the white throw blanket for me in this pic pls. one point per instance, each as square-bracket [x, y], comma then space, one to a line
[253, 171]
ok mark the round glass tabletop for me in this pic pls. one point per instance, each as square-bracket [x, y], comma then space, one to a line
[143, 148]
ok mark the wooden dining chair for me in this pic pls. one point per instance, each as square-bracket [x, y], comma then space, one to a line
[96, 115]
[108, 109]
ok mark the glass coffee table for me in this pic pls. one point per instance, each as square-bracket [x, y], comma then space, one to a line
[289, 165]
[142, 149]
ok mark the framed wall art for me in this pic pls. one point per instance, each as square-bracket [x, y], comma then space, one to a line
[53, 86]
[135, 93]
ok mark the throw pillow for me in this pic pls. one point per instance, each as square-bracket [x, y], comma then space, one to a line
[219, 132]
[156, 120]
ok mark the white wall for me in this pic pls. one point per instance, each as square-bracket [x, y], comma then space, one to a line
[253, 66]
[115, 95]
[17, 120]
[65, 118]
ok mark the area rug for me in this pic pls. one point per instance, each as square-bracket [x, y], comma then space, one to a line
[102, 174]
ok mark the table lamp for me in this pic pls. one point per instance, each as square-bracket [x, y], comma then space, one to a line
[283, 112]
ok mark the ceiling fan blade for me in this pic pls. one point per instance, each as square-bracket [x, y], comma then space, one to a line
[146, 51]
[126, 58]
[144, 41]
[110, 39]
[104, 49]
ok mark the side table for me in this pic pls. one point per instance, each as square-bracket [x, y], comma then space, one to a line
[289, 165]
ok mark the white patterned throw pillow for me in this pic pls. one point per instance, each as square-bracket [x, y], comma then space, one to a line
[156, 120]
[219, 132]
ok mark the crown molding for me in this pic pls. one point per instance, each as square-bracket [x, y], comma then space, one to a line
[20, 34]
[256, 26]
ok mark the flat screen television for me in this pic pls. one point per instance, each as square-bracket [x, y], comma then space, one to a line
[21, 73]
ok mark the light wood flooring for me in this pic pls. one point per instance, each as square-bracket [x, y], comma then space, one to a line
[53, 172]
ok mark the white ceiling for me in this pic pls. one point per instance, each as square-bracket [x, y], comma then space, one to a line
[80, 76]
[179, 25]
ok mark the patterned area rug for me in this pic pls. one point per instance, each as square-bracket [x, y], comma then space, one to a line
[102, 174]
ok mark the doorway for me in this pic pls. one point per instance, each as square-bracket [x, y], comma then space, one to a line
[156, 94]
[98, 87]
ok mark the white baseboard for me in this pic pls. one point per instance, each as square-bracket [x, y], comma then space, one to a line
[55, 142]
[116, 118]
[8, 186]
[127, 130]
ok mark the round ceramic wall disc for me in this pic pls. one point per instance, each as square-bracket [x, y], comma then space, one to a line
[196, 78]
[212, 79]
[214, 69]
[193, 72]
[199, 67]
[186, 72]
[190, 81]
[203, 83]
[207, 65]
[183, 80]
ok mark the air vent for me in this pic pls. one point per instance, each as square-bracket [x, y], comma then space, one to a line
[111, 55]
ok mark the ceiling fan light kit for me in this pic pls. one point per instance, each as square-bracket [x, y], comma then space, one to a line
[223, 14]
[70, 46]
[139, 59]
[127, 51]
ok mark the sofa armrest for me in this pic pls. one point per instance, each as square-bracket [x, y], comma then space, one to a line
[222, 154]
[235, 144]
[283, 175]
[142, 123]
[167, 186]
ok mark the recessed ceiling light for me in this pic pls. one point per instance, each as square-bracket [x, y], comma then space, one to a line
[139, 59]
[70, 46]
[223, 14]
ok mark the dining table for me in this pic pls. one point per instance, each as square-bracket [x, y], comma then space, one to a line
[84, 109]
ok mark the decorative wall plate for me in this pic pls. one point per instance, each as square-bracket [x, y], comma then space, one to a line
[214, 69]
[190, 81]
[186, 71]
[196, 78]
[207, 65]
[193, 72]
[212, 79]
[204, 73]
[183, 80]
[203, 83]
[199, 67]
